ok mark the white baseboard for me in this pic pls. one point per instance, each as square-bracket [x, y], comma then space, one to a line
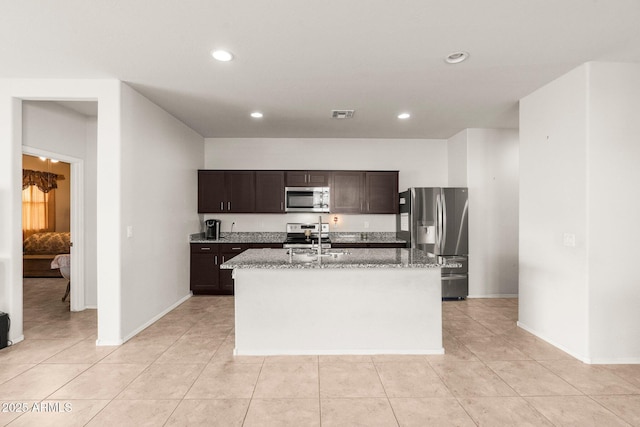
[550, 341]
[155, 318]
[615, 361]
[494, 296]
[583, 359]
[299, 352]
[16, 340]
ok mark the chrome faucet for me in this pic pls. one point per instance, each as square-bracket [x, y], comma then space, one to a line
[319, 236]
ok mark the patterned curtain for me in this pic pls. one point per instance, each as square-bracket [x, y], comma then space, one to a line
[45, 181]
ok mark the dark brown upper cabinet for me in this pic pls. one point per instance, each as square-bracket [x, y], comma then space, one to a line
[381, 192]
[307, 178]
[211, 191]
[270, 191]
[347, 191]
[262, 191]
[368, 192]
[226, 191]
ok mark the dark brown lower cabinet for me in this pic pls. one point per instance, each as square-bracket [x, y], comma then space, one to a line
[207, 278]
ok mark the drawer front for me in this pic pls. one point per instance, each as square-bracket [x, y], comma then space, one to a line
[229, 250]
[455, 286]
[460, 260]
[234, 247]
[198, 248]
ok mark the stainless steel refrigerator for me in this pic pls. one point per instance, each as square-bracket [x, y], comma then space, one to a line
[436, 220]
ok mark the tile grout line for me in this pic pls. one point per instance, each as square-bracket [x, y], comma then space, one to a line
[375, 366]
[244, 419]
[319, 395]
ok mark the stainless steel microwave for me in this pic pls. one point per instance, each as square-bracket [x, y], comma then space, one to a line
[306, 199]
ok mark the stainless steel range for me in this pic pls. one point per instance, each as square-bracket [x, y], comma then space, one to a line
[305, 235]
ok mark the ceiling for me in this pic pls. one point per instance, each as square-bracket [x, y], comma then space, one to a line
[297, 60]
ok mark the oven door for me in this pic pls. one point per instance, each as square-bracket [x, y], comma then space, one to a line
[307, 199]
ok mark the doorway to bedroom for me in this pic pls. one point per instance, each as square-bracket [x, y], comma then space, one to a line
[58, 210]
[46, 236]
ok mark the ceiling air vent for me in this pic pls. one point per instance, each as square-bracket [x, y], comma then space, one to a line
[342, 114]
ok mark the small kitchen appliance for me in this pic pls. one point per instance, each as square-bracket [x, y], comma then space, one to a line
[306, 235]
[306, 199]
[212, 229]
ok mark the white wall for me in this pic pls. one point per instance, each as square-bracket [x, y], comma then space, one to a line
[107, 93]
[579, 176]
[421, 162]
[553, 197]
[486, 161]
[160, 156]
[90, 214]
[51, 127]
[613, 208]
[457, 159]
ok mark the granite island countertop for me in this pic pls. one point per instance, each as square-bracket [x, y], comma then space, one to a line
[350, 258]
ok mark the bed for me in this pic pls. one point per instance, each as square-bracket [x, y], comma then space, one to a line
[40, 249]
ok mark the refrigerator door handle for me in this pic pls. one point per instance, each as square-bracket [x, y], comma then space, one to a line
[464, 218]
[443, 243]
[438, 224]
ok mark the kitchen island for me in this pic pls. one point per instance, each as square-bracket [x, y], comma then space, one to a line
[356, 301]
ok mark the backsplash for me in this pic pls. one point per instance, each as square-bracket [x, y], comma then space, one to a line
[277, 222]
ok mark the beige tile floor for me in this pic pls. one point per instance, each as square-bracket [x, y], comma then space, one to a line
[181, 372]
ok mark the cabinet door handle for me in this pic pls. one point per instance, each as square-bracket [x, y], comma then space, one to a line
[205, 249]
[228, 206]
[216, 261]
[281, 206]
[236, 249]
[223, 259]
[221, 206]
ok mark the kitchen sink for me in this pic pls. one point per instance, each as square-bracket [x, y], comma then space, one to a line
[310, 255]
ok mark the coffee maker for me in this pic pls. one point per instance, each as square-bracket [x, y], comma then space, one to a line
[212, 229]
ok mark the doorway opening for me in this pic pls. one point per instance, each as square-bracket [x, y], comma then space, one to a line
[46, 236]
[56, 251]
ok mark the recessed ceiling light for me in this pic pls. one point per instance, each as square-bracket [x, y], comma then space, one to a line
[456, 57]
[404, 116]
[222, 55]
[256, 115]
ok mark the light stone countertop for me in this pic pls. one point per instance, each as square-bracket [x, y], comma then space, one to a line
[352, 258]
[280, 237]
[242, 237]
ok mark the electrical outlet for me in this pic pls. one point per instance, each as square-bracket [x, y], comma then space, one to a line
[569, 240]
[366, 224]
[129, 231]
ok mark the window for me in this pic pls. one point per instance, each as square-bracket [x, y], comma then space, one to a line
[38, 210]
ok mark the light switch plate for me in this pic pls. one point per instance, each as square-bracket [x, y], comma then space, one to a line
[569, 240]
